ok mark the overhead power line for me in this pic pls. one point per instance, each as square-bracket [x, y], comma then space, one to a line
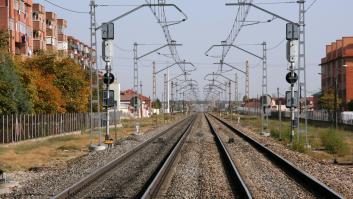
[311, 5]
[278, 2]
[69, 10]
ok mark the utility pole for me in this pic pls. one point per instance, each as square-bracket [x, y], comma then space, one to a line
[141, 103]
[264, 115]
[230, 99]
[95, 117]
[165, 95]
[279, 115]
[168, 92]
[136, 81]
[154, 90]
[236, 89]
[247, 80]
[302, 73]
[172, 96]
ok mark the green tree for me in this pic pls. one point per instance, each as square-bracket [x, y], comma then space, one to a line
[327, 100]
[350, 105]
[13, 95]
[4, 39]
[156, 104]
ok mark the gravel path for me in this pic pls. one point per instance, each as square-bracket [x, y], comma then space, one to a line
[263, 178]
[198, 171]
[45, 184]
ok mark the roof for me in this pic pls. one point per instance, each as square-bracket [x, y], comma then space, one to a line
[128, 94]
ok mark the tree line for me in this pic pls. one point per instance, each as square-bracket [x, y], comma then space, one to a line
[44, 83]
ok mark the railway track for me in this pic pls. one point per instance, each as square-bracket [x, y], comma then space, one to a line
[203, 169]
[267, 174]
[132, 172]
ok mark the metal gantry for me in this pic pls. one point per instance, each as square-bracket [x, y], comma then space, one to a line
[302, 74]
[94, 78]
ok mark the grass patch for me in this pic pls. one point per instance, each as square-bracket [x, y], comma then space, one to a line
[331, 143]
[57, 151]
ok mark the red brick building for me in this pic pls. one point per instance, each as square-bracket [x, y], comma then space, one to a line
[337, 67]
[51, 31]
[16, 16]
[39, 28]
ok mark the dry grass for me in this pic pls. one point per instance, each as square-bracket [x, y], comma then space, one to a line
[57, 151]
[321, 138]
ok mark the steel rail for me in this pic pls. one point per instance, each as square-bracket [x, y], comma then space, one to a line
[157, 180]
[310, 182]
[241, 188]
[73, 189]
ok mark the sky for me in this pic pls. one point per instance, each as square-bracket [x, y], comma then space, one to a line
[209, 22]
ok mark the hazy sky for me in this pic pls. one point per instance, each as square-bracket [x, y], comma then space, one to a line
[209, 23]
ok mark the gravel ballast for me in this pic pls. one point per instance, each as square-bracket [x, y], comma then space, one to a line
[263, 178]
[198, 172]
[339, 178]
[46, 183]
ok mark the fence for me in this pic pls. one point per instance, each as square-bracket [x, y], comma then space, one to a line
[15, 128]
[345, 118]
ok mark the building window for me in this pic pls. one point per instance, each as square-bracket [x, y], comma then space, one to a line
[16, 4]
[11, 24]
[35, 16]
[22, 6]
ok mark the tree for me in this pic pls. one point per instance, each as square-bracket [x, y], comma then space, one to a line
[73, 81]
[4, 39]
[156, 104]
[350, 105]
[13, 95]
[327, 100]
[56, 85]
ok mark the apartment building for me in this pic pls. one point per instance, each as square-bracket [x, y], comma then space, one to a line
[39, 28]
[32, 29]
[62, 44]
[79, 52]
[337, 69]
[16, 17]
[51, 36]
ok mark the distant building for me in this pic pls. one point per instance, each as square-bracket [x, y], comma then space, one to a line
[16, 16]
[126, 106]
[62, 45]
[52, 31]
[337, 69]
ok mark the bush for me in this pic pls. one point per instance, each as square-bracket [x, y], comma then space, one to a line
[333, 142]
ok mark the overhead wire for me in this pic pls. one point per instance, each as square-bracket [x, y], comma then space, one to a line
[67, 9]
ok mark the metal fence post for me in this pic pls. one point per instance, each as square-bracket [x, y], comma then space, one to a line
[3, 129]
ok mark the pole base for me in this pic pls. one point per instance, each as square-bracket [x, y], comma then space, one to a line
[94, 147]
[266, 134]
[307, 146]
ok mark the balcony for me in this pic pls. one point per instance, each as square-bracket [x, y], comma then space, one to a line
[38, 25]
[62, 23]
[38, 8]
[38, 45]
[62, 37]
[51, 16]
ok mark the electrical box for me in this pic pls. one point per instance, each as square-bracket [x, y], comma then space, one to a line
[108, 31]
[289, 102]
[292, 31]
[108, 102]
[266, 100]
[292, 51]
[107, 50]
